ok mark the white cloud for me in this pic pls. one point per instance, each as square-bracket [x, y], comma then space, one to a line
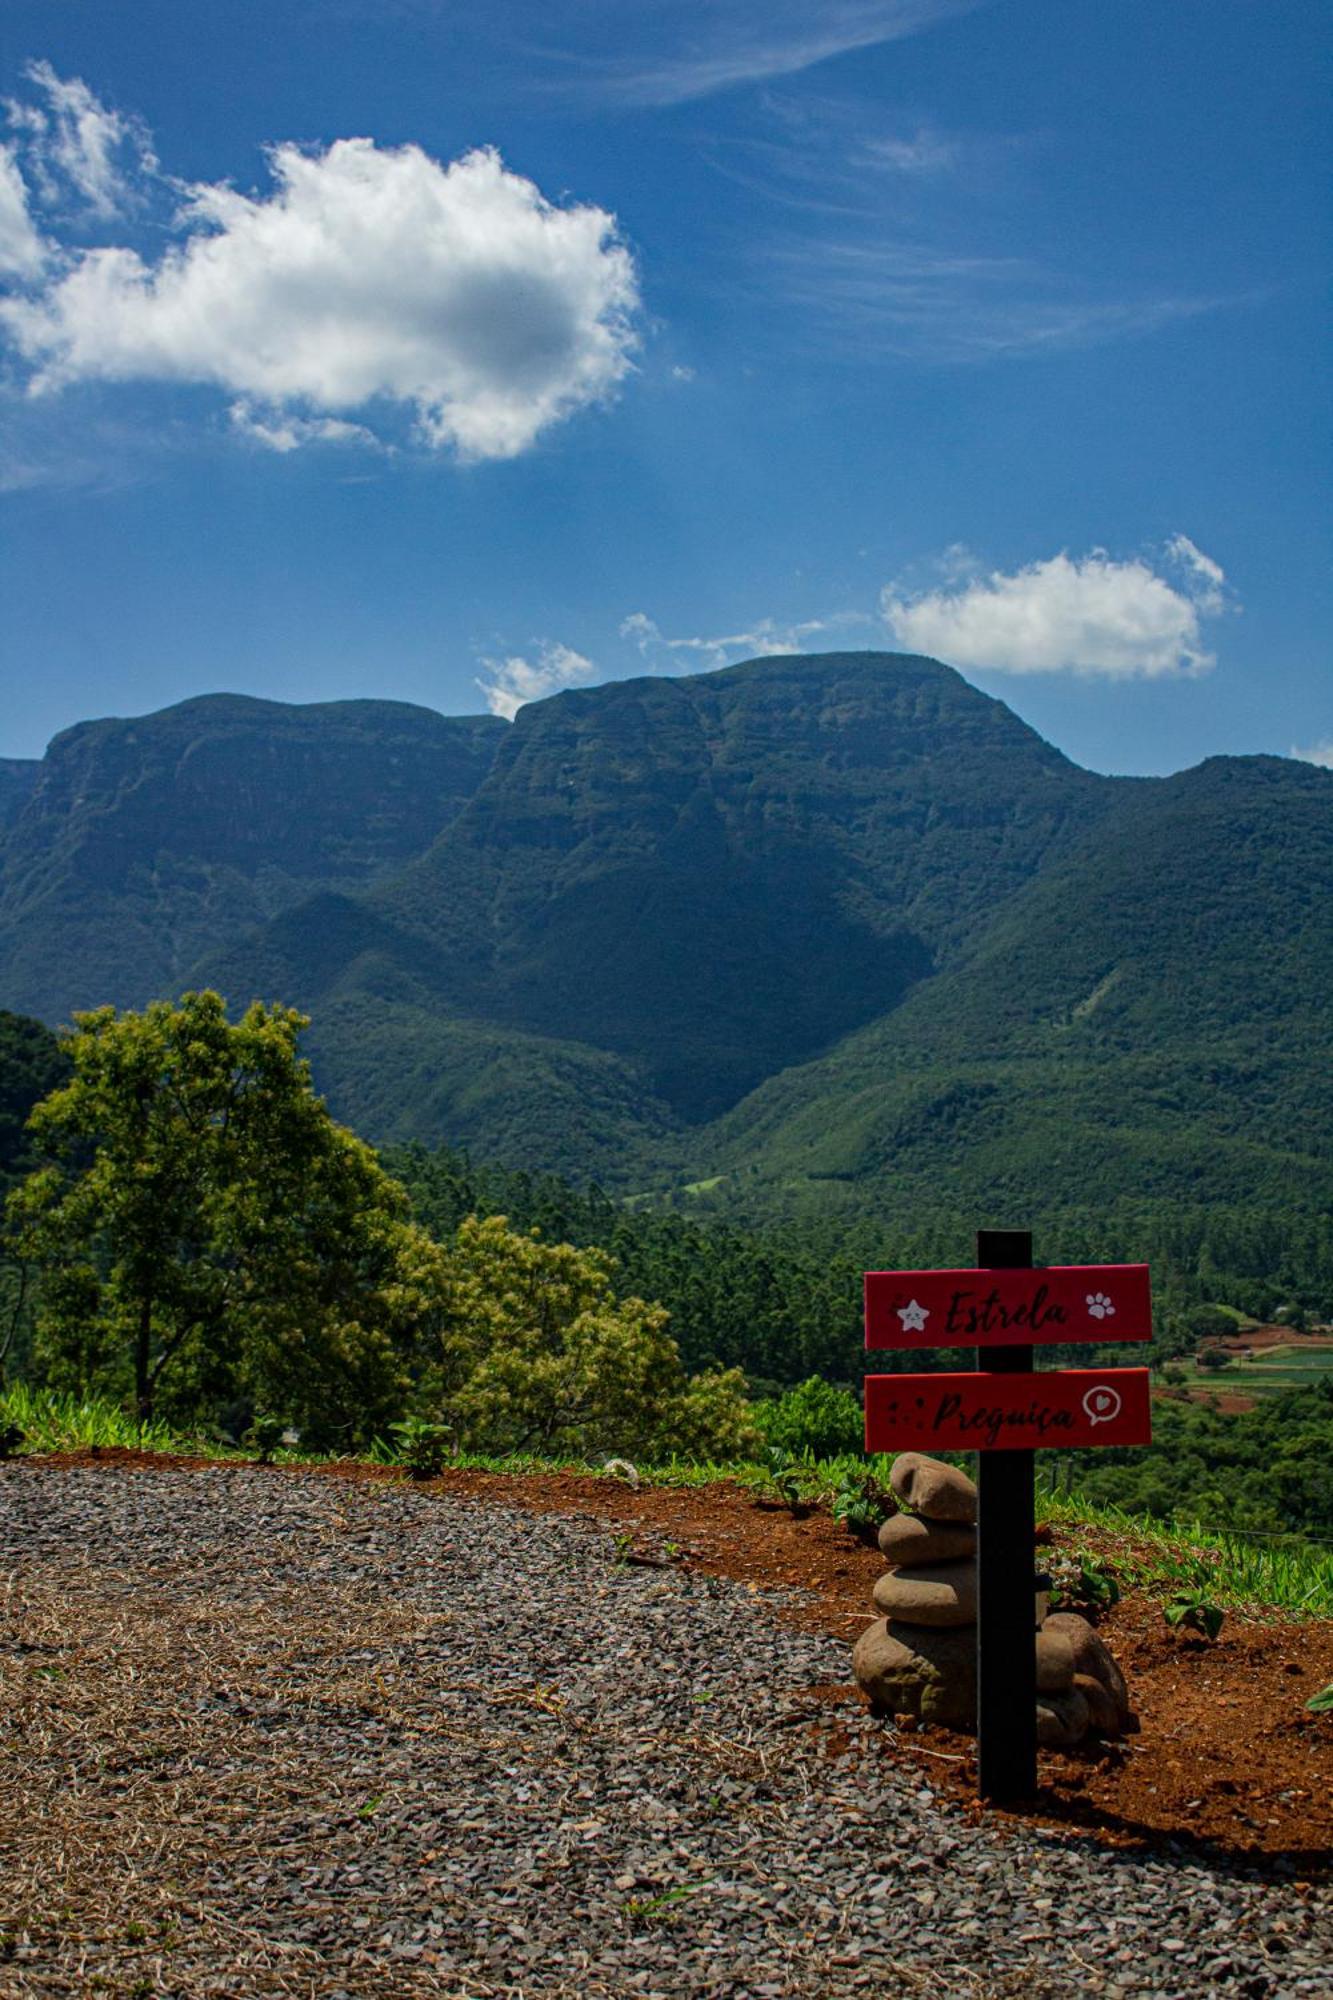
[765, 636]
[22, 252]
[280, 433]
[1317, 753]
[366, 275]
[1088, 615]
[100, 153]
[511, 682]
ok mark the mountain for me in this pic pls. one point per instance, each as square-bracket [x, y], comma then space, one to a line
[143, 843]
[707, 879]
[832, 932]
[18, 775]
[1149, 1016]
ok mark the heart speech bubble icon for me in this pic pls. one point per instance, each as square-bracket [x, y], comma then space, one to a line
[1102, 1403]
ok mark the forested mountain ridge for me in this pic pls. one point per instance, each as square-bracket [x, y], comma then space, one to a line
[704, 880]
[834, 931]
[1150, 1014]
[142, 843]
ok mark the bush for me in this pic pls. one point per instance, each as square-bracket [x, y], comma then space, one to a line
[814, 1421]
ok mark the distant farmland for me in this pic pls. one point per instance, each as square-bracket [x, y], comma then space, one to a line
[1265, 1371]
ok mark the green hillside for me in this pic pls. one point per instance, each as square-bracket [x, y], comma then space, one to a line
[142, 843]
[1150, 1015]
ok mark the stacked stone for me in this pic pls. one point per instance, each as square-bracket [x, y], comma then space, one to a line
[920, 1656]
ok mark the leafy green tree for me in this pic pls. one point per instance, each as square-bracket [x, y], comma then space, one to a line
[204, 1232]
[535, 1353]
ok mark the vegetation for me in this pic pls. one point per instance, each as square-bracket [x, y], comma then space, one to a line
[210, 1246]
[1193, 1611]
[1230, 1569]
[205, 1236]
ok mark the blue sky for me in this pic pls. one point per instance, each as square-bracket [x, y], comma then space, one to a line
[458, 352]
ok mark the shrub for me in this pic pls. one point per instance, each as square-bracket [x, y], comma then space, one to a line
[861, 1504]
[1194, 1611]
[814, 1421]
[1080, 1583]
[422, 1447]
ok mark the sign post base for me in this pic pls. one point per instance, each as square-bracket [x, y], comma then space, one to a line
[1006, 1616]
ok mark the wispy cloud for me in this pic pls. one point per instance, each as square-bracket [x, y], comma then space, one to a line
[511, 682]
[1320, 753]
[918, 301]
[22, 250]
[73, 144]
[891, 235]
[683, 53]
[765, 635]
[1092, 614]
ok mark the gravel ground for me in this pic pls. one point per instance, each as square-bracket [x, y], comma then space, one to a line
[270, 1733]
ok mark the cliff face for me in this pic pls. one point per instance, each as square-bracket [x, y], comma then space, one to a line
[18, 775]
[141, 844]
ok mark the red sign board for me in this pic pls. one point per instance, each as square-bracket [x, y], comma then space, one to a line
[1000, 1412]
[1069, 1302]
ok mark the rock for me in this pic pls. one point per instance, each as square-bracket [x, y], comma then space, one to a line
[909, 1671]
[908, 1541]
[1091, 1656]
[1103, 1709]
[943, 1594]
[940, 1492]
[1055, 1663]
[1062, 1720]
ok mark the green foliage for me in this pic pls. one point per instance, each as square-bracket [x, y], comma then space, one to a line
[1268, 1470]
[534, 1352]
[204, 1232]
[423, 1448]
[1192, 1611]
[862, 1504]
[11, 1438]
[785, 1477]
[50, 1421]
[33, 1062]
[1079, 1582]
[1321, 1703]
[814, 1420]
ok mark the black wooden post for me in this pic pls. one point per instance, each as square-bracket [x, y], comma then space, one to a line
[1006, 1655]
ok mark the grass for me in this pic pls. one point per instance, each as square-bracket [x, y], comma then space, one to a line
[51, 1422]
[1273, 1572]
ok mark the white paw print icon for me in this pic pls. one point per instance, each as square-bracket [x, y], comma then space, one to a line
[1099, 1306]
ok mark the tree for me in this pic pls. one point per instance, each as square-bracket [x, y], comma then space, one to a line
[535, 1353]
[204, 1232]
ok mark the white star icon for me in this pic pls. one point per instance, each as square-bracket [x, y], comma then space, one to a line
[913, 1316]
